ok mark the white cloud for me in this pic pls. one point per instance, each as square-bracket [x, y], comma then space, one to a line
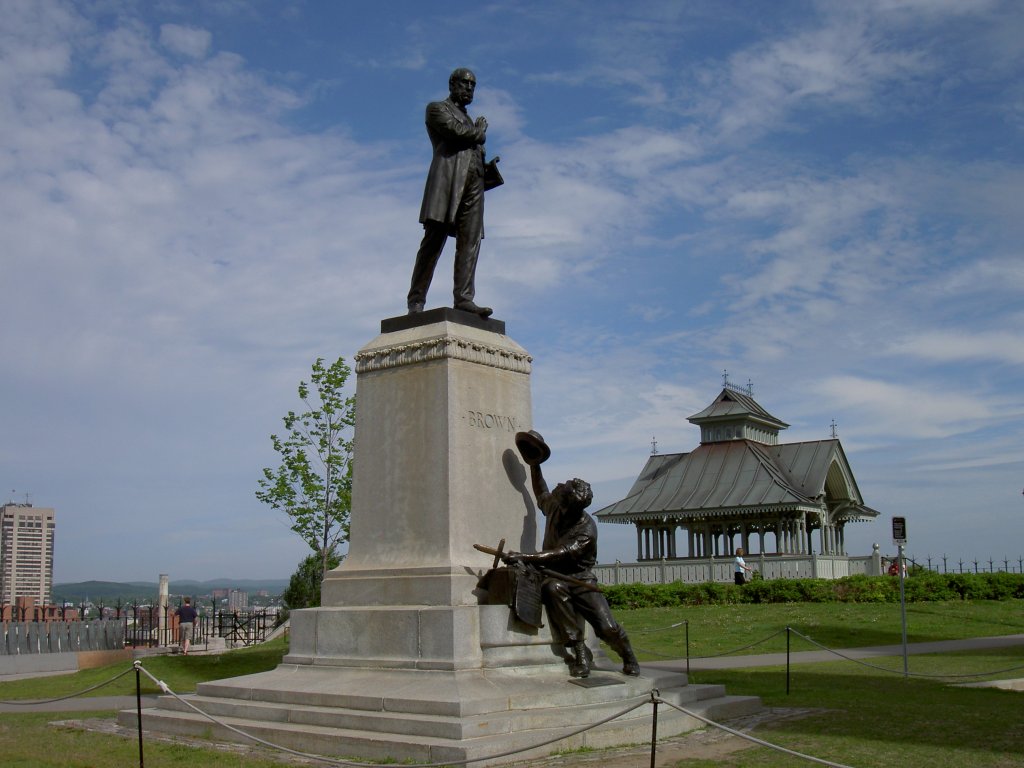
[917, 410]
[964, 346]
[188, 41]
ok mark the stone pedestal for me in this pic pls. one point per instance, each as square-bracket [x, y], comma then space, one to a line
[406, 660]
[435, 471]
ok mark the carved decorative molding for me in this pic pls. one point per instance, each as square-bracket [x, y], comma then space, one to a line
[442, 348]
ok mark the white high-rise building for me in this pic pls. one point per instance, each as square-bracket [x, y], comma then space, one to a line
[26, 553]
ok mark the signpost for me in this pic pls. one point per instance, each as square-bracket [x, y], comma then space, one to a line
[899, 530]
[899, 538]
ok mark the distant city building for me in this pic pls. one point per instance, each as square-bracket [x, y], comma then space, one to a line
[220, 594]
[25, 609]
[238, 600]
[26, 553]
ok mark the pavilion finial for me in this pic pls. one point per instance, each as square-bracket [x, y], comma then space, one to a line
[834, 429]
[654, 446]
[747, 390]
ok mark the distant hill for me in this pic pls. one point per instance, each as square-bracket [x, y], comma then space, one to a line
[110, 591]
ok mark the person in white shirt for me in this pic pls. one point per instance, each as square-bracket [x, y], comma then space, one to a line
[740, 567]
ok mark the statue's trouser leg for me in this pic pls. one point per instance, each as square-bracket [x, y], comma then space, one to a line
[566, 626]
[562, 617]
[435, 233]
[594, 607]
[469, 229]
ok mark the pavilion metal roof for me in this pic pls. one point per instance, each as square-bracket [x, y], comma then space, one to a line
[738, 476]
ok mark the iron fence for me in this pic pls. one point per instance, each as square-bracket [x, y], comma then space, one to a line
[946, 564]
[136, 625]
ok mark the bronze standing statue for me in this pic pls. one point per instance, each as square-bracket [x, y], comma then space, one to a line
[569, 588]
[453, 199]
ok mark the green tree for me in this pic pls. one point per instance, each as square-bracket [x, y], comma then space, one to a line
[304, 586]
[313, 484]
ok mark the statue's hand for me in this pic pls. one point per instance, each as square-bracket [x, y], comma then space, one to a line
[511, 558]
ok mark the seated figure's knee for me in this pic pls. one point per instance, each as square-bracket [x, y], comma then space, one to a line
[555, 589]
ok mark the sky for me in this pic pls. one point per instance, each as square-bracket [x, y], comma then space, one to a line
[198, 200]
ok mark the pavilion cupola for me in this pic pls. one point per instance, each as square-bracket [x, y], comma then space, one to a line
[735, 415]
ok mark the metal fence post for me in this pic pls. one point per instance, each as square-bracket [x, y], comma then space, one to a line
[654, 725]
[138, 707]
[787, 660]
[686, 622]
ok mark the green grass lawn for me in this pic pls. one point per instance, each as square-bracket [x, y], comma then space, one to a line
[716, 629]
[868, 718]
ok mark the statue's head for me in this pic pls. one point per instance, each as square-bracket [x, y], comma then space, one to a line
[461, 86]
[575, 494]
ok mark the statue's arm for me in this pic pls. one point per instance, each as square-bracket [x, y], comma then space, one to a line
[441, 120]
[540, 488]
[569, 552]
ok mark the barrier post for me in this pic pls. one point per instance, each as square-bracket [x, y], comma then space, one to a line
[138, 707]
[687, 623]
[654, 726]
[787, 661]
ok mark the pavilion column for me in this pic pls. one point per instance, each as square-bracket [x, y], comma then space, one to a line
[707, 540]
[744, 537]
[760, 534]
[639, 543]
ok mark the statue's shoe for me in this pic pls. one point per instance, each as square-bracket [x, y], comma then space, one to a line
[469, 306]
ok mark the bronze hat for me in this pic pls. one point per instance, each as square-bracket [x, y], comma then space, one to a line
[532, 447]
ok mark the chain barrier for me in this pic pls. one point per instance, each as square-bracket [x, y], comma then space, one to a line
[753, 739]
[731, 652]
[659, 629]
[30, 702]
[899, 672]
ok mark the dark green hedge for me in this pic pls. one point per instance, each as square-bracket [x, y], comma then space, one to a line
[919, 586]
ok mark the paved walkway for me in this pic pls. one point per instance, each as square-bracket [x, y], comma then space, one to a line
[100, 703]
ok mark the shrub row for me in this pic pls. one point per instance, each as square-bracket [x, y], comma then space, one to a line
[919, 586]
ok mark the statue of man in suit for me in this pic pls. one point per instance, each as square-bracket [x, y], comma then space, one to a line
[453, 200]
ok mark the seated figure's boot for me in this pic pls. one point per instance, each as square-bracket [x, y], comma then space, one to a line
[578, 666]
[630, 666]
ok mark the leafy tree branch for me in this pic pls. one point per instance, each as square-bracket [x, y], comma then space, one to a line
[313, 484]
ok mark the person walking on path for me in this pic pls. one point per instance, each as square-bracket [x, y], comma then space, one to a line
[740, 566]
[186, 621]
